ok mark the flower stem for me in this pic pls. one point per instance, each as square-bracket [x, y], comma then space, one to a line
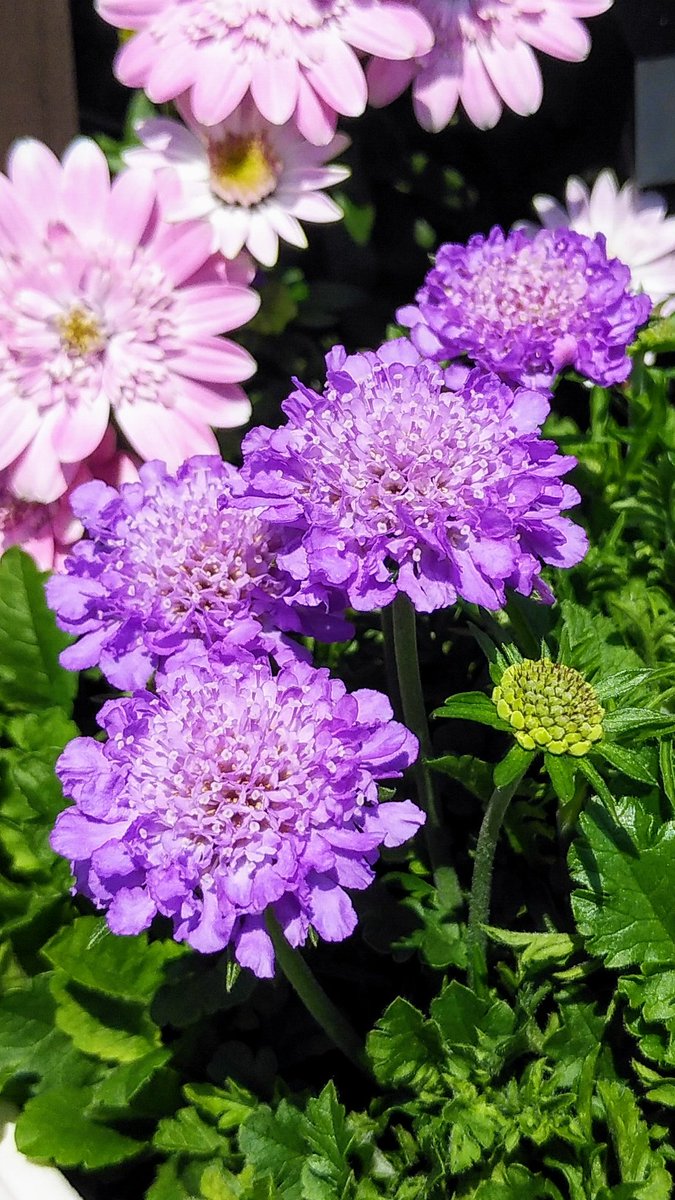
[481, 883]
[415, 717]
[314, 998]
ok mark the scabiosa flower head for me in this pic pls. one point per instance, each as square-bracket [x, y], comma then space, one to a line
[550, 707]
[169, 560]
[391, 481]
[105, 308]
[251, 181]
[527, 307]
[229, 791]
[483, 57]
[635, 226]
[296, 57]
[48, 531]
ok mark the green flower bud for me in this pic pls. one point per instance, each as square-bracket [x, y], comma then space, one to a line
[549, 707]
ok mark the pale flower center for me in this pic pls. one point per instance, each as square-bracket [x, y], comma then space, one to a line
[244, 169]
[80, 332]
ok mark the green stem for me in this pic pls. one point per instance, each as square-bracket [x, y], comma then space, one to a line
[481, 883]
[314, 998]
[415, 717]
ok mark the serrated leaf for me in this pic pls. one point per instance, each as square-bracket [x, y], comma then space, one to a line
[538, 950]
[628, 762]
[273, 1142]
[630, 1135]
[481, 1025]
[105, 1027]
[513, 766]
[31, 1047]
[472, 706]
[405, 1048]
[473, 774]
[624, 907]
[621, 683]
[187, 1133]
[130, 968]
[229, 1107]
[54, 1126]
[30, 675]
[119, 1086]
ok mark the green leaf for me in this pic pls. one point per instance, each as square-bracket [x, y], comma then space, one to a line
[476, 1029]
[31, 1047]
[562, 770]
[658, 335]
[30, 643]
[536, 950]
[359, 218]
[405, 1048]
[54, 1126]
[624, 905]
[229, 1107]
[273, 1142]
[611, 687]
[630, 1136]
[644, 722]
[474, 774]
[667, 764]
[187, 1133]
[628, 762]
[121, 1085]
[326, 1173]
[130, 968]
[110, 1029]
[472, 706]
[513, 766]
[598, 784]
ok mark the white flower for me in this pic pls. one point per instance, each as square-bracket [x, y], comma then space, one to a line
[635, 224]
[253, 182]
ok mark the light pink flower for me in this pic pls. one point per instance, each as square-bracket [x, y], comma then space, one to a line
[634, 223]
[47, 531]
[298, 58]
[105, 307]
[483, 56]
[251, 181]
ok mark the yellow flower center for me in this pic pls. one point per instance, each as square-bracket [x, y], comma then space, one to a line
[80, 332]
[244, 170]
[549, 707]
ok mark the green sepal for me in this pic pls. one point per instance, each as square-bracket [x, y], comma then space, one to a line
[626, 761]
[561, 770]
[472, 706]
[645, 722]
[513, 766]
[599, 786]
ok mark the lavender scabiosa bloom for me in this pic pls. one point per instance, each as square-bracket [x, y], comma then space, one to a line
[528, 306]
[391, 481]
[230, 790]
[169, 560]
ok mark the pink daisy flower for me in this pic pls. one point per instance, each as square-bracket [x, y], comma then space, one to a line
[104, 307]
[251, 181]
[298, 58]
[47, 531]
[483, 56]
[635, 226]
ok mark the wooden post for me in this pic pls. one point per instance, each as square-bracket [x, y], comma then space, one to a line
[37, 73]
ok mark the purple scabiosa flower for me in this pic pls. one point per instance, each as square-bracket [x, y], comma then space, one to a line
[528, 306]
[403, 477]
[231, 790]
[169, 560]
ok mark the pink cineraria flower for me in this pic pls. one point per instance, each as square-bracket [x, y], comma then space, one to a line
[635, 226]
[104, 307]
[483, 56]
[249, 180]
[298, 58]
[48, 531]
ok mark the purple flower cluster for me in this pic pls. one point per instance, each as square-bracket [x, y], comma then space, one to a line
[231, 790]
[169, 560]
[403, 477]
[527, 306]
